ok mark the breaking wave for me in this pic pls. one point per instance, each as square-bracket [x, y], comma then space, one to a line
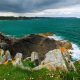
[56, 37]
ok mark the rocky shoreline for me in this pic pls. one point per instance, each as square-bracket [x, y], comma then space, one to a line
[39, 47]
[40, 43]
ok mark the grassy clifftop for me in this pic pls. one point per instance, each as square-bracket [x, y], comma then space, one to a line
[8, 72]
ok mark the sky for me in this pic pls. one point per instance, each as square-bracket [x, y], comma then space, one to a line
[40, 8]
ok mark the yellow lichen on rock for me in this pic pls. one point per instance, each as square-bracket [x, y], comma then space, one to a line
[46, 34]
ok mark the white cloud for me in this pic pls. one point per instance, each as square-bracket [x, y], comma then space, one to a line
[73, 11]
[8, 14]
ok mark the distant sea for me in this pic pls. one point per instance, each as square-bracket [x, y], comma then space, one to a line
[66, 28]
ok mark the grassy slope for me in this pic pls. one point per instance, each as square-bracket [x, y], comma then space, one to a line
[8, 72]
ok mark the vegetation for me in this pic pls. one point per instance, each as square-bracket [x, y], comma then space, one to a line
[18, 18]
[8, 72]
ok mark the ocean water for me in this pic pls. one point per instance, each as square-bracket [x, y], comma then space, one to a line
[64, 28]
[68, 28]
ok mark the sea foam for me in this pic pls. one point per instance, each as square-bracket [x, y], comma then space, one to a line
[56, 37]
[75, 51]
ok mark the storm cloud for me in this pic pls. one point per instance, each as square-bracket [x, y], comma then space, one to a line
[25, 6]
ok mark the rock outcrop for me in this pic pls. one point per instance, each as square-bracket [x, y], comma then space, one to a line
[32, 43]
[5, 56]
[55, 59]
[18, 62]
[46, 34]
[41, 49]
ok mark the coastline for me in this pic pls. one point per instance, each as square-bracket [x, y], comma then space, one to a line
[53, 54]
[76, 48]
[14, 40]
[30, 18]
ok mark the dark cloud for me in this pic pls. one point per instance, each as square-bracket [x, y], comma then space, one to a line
[33, 5]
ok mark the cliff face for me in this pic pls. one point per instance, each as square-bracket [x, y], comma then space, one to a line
[32, 43]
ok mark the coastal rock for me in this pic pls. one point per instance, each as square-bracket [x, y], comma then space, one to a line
[65, 44]
[37, 45]
[5, 41]
[32, 43]
[55, 59]
[46, 34]
[5, 56]
[18, 62]
[35, 58]
[1, 56]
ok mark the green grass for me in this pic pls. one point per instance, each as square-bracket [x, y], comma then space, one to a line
[8, 72]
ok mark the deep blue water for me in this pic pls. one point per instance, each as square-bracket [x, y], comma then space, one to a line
[69, 28]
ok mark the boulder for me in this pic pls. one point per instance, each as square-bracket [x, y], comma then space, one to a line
[55, 59]
[1, 56]
[35, 58]
[18, 62]
[5, 56]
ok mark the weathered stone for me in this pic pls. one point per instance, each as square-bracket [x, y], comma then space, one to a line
[1, 56]
[67, 45]
[32, 43]
[46, 34]
[56, 60]
[35, 58]
[8, 55]
[5, 56]
[18, 62]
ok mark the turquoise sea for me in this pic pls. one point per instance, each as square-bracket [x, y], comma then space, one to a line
[68, 28]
